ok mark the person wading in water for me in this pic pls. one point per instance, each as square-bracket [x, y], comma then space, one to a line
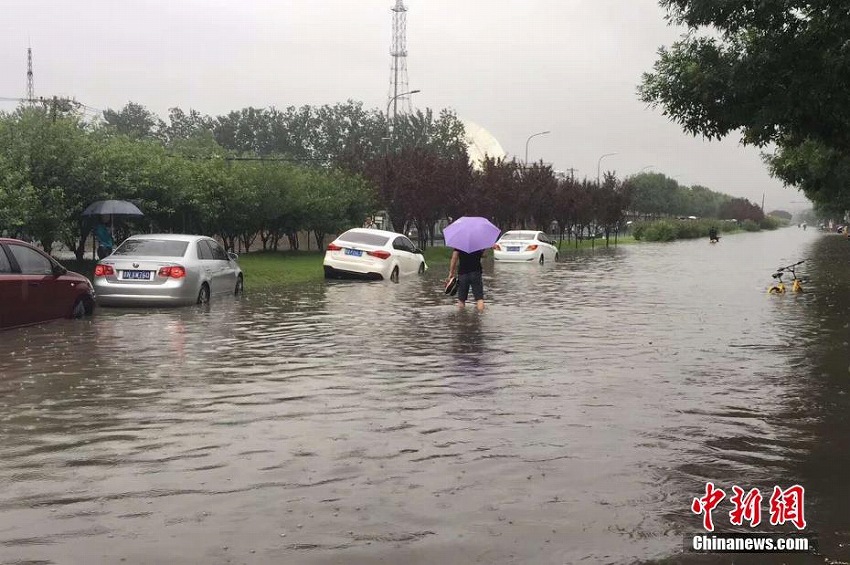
[468, 269]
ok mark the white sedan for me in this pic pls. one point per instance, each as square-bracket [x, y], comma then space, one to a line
[525, 246]
[372, 254]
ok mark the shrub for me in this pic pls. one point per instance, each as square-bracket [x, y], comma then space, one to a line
[772, 223]
[663, 230]
[750, 225]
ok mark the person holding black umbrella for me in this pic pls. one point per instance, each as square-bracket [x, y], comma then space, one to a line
[103, 234]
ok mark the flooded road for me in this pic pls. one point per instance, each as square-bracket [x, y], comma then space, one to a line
[574, 421]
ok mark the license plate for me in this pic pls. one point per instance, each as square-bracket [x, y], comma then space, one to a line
[353, 252]
[137, 275]
[513, 248]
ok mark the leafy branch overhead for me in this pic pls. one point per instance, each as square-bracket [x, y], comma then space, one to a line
[775, 72]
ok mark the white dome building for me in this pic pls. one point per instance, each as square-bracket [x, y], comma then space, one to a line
[481, 144]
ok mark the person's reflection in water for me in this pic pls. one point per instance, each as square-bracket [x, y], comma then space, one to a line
[468, 343]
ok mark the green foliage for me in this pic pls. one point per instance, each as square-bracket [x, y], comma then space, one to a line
[656, 194]
[134, 121]
[198, 174]
[750, 225]
[670, 230]
[780, 214]
[773, 222]
[776, 72]
[662, 230]
[51, 169]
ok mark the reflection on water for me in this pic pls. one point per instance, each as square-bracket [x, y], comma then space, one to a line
[358, 422]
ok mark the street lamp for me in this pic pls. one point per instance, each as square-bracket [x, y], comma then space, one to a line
[599, 164]
[645, 168]
[529, 139]
[394, 98]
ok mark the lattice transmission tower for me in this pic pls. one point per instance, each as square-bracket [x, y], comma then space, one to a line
[30, 87]
[398, 100]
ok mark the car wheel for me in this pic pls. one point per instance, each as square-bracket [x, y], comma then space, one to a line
[556, 257]
[394, 275]
[204, 294]
[422, 268]
[240, 286]
[79, 309]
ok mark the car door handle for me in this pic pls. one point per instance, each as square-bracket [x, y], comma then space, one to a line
[33, 283]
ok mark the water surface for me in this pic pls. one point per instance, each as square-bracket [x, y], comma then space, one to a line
[367, 422]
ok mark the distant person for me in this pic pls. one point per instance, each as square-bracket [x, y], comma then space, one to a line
[468, 268]
[103, 235]
[712, 235]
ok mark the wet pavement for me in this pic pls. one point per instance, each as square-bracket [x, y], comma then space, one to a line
[574, 421]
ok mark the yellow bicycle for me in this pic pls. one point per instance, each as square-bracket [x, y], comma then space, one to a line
[796, 283]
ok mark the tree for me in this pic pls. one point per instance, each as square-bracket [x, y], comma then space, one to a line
[134, 120]
[777, 71]
[54, 177]
[537, 187]
[498, 182]
[740, 209]
[781, 214]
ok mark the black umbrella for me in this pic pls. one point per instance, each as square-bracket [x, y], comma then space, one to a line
[112, 208]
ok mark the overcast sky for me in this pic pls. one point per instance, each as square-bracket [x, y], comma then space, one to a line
[515, 67]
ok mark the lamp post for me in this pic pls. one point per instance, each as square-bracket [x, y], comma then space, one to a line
[599, 165]
[393, 99]
[529, 139]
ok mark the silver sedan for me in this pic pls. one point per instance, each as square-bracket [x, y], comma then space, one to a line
[166, 269]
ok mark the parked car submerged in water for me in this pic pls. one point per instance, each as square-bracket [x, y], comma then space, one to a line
[34, 287]
[372, 254]
[525, 246]
[166, 269]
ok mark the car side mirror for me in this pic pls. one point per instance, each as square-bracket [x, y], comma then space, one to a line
[418, 251]
[59, 270]
[232, 256]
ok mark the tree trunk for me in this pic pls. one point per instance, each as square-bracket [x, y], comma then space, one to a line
[292, 235]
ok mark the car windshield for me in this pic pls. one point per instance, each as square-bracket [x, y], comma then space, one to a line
[519, 235]
[152, 248]
[364, 238]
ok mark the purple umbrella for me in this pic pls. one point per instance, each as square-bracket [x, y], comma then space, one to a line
[471, 233]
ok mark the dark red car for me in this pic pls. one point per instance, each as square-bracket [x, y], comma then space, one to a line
[35, 288]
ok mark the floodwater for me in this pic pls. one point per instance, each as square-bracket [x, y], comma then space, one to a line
[574, 421]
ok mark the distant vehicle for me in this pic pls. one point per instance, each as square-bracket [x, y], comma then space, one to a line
[166, 269]
[35, 288]
[372, 254]
[525, 246]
